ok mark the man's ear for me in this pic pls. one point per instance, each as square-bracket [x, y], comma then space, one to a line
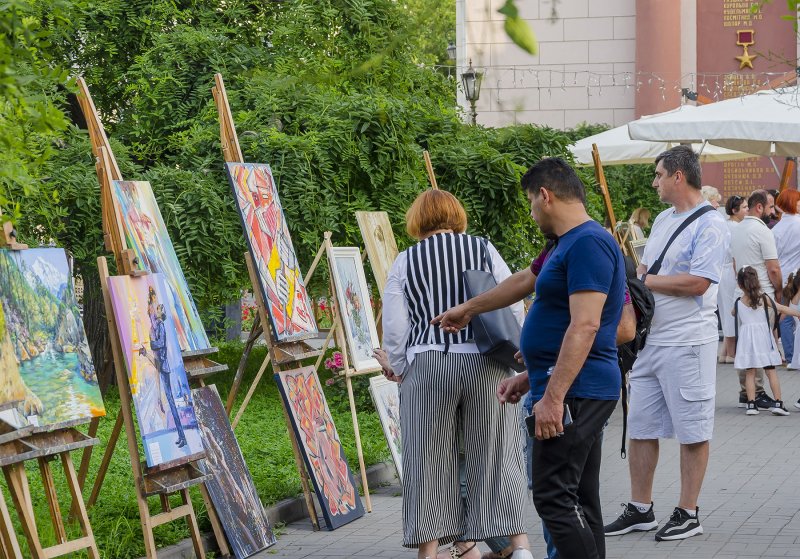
[547, 197]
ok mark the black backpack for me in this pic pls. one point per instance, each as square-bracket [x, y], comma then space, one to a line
[644, 306]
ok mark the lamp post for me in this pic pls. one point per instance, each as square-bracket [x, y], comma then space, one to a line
[471, 80]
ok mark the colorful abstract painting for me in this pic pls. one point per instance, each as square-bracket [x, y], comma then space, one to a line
[156, 376]
[45, 363]
[380, 244]
[145, 233]
[386, 395]
[281, 282]
[355, 308]
[320, 446]
[231, 488]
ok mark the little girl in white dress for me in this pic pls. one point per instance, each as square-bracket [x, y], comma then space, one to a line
[755, 314]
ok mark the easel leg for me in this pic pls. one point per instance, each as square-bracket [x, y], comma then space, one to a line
[359, 451]
[325, 346]
[52, 500]
[77, 499]
[107, 455]
[250, 392]
[255, 333]
[18, 487]
[216, 525]
[8, 537]
[83, 469]
[301, 468]
[194, 529]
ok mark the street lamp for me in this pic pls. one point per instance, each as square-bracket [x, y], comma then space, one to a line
[471, 80]
[451, 50]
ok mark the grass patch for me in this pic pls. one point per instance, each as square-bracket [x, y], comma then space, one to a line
[263, 438]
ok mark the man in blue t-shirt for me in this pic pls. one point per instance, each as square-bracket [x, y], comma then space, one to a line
[569, 346]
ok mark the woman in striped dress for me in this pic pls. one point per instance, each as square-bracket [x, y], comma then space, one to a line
[447, 392]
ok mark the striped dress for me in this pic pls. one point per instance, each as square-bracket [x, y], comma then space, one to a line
[447, 399]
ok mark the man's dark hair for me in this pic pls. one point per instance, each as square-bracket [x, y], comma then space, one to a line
[683, 159]
[757, 197]
[554, 174]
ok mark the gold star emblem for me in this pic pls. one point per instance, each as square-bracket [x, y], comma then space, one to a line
[746, 59]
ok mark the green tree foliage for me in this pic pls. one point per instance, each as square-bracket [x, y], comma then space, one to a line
[328, 92]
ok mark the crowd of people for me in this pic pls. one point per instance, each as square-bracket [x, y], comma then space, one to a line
[476, 435]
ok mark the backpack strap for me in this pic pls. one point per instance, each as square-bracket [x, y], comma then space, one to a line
[656, 267]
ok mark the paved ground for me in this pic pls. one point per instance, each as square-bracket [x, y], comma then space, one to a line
[750, 505]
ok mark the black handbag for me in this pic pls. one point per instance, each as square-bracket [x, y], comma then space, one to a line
[496, 332]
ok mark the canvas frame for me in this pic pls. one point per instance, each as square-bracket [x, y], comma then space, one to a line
[380, 243]
[317, 402]
[636, 249]
[161, 451]
[361, 358]
[259, 265]
[224, 460]
[191, 334]
[379, 389]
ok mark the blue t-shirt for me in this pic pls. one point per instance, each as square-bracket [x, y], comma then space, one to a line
[587, 258]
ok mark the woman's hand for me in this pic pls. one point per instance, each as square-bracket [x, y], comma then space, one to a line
[383, 360]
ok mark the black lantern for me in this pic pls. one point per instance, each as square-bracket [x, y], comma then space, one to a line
[471, 80]
[451, 50]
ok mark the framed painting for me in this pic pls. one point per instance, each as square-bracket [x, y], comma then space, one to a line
[156, 376]
[320, 446]
[636, 249]
[145, 233]
[355, 308]
[45, 362]
[386, 395]
[231, 488]
[279, 277]
[380, 244]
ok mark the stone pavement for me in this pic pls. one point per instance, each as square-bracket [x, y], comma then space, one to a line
[750, 505]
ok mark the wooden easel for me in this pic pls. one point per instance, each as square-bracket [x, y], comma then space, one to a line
[156, 481]
[282, 355]
[43, 444]
[429, 168]
[601, 180]
[196, 363]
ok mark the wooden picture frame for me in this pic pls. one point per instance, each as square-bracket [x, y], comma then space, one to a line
[376, 230]
[386, 396]
[636, 249]
[354, 306]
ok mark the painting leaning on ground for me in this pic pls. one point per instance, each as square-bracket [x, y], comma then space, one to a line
[45, 363]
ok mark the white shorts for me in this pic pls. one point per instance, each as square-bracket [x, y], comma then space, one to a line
[672, 393]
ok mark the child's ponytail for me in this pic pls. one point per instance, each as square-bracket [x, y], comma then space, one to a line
[792, 286]
[747, 279]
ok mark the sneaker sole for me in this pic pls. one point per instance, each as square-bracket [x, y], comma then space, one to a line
[752, 412]
[688, 534]
[778, 411]
[642, 527]
[797, 405]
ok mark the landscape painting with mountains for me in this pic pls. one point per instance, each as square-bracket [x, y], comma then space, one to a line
[45, 364]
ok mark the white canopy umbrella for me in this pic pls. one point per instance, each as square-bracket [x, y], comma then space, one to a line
[764, 123]
[617, 148]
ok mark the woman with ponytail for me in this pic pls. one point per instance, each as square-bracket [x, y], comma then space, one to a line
[755, 314]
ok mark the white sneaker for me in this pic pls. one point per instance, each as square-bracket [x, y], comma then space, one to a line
[521, 553]
[779, 409]
[797, 404]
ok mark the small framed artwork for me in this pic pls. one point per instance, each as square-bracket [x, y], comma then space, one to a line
[380, 244]
[353, 297]
[636, 249]
[386, 395]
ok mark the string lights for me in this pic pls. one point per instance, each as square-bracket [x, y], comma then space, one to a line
[715, 86]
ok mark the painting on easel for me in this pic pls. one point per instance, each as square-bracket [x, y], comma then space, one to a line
[156, 375]
[320, 446]
[380, 243]
[386, 395]
[281, 282]
[45, 361]
[231, 488]
[145, 233]
[355, 307]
